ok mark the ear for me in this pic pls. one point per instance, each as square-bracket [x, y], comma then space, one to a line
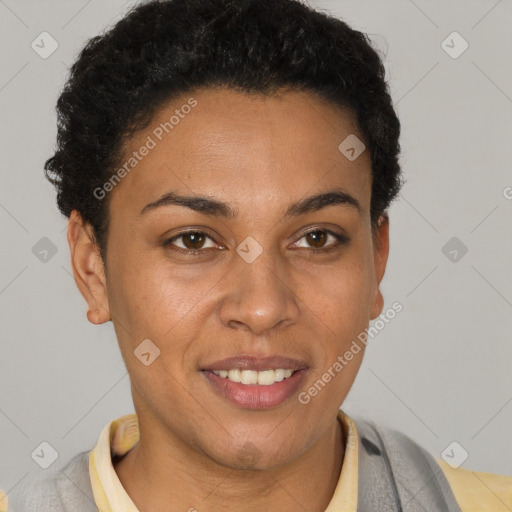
[88, 269]
[380, 255]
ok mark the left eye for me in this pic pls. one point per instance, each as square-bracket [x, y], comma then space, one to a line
[317, 239]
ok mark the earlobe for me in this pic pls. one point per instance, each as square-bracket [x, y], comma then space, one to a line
[381, 252]
[88, 269]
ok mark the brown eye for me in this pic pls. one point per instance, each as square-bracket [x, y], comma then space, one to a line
[316, 238]
[191, 241]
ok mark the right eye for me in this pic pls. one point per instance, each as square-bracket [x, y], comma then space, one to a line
[193, 242]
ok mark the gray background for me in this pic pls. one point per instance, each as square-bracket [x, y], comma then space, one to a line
[440, 371]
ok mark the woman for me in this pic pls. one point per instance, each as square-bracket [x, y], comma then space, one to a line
[227, 167]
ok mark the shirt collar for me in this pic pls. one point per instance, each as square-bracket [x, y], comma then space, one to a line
[122, 434]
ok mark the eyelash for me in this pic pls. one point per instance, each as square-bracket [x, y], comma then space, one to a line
[340, 241]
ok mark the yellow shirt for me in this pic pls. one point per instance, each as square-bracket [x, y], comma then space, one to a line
[474, 491]
[122, 434]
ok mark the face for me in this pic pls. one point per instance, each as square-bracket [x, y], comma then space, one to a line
[255, 270]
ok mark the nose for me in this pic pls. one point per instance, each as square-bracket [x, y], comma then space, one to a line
[259, 296]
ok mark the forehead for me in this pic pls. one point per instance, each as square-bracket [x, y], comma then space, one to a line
[234, 144]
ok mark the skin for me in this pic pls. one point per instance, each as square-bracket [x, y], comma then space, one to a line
[258, 155]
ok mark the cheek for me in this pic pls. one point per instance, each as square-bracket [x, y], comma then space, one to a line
[153, 296]
[340, 295]
[340, 303]
[168, 307]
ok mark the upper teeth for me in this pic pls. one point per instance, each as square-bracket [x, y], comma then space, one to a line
[263, 378]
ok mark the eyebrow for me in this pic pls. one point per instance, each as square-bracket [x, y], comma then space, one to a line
[209, 206]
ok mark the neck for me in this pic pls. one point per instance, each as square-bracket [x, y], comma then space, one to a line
[161, 476]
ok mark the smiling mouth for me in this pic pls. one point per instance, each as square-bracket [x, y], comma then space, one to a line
[256, 389]
[253, 381]
[253, 377]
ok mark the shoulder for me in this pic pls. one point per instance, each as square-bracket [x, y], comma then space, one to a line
[64, 490]
[474, 491]
[477, 490]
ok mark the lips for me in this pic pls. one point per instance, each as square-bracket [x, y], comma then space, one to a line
[250, 362]
[256, 396]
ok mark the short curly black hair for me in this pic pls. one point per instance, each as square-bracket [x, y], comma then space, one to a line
[162, 49]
